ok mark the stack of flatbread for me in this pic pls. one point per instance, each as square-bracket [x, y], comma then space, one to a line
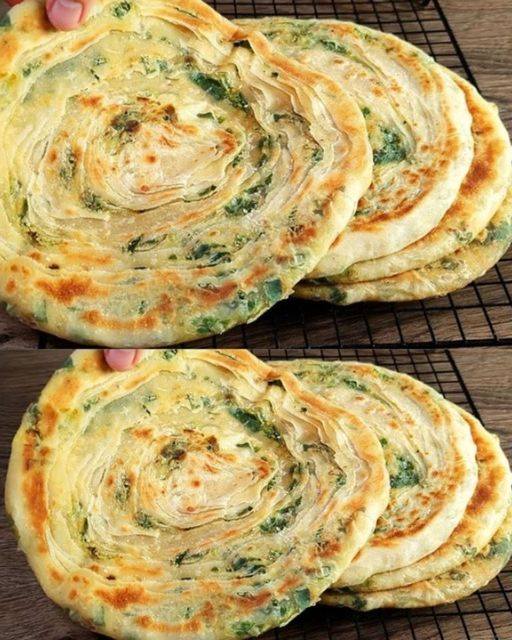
[168, 174]
[208, 495]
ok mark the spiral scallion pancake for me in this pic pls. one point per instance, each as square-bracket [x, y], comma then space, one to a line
[418, 123]
[164, 175]
[485, 513]
[482, 192]
[448, 274]
[430, 456]
[448, 587]
[202, 494]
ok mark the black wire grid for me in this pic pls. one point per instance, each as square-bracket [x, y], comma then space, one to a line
[486, 615]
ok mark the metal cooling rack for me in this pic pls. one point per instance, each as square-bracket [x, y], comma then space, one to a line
[486, 615]
[480, 314]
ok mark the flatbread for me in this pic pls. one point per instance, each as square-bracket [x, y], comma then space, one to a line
[486, 511]
[482, 192]
[148, 193]
[418, 123]
[452, 272]
[429, 452]
[202, 494]
[444, 589]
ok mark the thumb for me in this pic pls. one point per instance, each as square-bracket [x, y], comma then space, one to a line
[122, 359]
[67, 14]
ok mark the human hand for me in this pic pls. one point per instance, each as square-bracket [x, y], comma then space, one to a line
[64, 14]
[122, 359]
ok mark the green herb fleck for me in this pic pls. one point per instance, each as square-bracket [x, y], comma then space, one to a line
[206, 325]
[68, 363]
[250, 420]
[500, 548]
[250, 199]
[283, 518]
[354, 384]
[273, 290]
[31, 66]
[317, 155]
[219, 89]
[392, 149]
[185, 557]
[123, 489]
[330, 45]
[341, 480]
[141, 244]
[97, 61]
[168, 354]
[121, 9]
[248, 566]
[405, 476]
[243, 629]
[68, 167]
[302, 598]
[213, 253]
[5, 22]
[92, 201]
[144, 520]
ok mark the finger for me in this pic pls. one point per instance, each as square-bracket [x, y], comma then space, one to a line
[122, 359]
[67, 14]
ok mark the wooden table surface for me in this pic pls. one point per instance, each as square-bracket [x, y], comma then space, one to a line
[26, 614]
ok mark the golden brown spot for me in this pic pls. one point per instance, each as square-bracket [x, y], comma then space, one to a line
[151, 159]
[143, 434]
[289, 583]
[170, 113]
[66, 290]
[192, 626]
[8, 48]
[123, 597]
[96, 318]
[56, 575]
[258, 271]
[248, 603]
[227, 141]
[73, 594]
[48, 420]
[35, 496]
[213, 444]
[90, 101]
[329, 549]
[189, 129]
[216, 294]
[196, 483]
[10, 286]
[52, 156]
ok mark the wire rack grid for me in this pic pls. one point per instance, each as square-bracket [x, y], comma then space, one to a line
[486, 615]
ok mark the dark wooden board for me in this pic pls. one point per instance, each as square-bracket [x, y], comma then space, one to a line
[26, 613]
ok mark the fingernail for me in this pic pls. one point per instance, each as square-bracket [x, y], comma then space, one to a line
[121, 359]
[65, 14]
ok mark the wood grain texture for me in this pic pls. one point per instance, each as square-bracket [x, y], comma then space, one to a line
[483, 29]
[26, 613]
